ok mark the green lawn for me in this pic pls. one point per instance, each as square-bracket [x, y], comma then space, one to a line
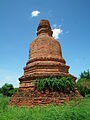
[75, 110]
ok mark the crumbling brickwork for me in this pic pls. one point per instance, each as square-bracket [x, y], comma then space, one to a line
[45, 60]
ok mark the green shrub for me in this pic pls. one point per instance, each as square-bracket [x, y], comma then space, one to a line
[0, 90]
[4, 101]
[8, 90]
[83, 86]
[54, 84]
[85, 74]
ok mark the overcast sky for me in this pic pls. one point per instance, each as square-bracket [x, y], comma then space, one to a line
[70, 22]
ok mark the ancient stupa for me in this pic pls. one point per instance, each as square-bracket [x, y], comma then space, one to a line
[45, 60]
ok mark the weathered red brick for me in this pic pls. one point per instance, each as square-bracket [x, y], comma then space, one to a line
[45, 60]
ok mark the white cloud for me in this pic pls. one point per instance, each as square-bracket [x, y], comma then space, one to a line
[57, 32]
[35, 13]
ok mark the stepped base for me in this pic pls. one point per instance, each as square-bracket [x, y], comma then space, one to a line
[26, 95]
[29, 97]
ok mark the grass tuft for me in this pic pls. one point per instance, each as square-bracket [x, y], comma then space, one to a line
[75, 110]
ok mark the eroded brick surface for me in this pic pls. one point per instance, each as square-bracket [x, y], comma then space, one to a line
[45, 60]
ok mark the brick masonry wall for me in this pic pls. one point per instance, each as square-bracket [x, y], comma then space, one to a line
[45, 60]
[28, 97]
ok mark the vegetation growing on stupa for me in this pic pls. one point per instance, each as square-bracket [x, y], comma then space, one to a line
[54, 84]
[62, 84]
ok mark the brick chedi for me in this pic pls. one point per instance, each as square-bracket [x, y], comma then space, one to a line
[45, 60]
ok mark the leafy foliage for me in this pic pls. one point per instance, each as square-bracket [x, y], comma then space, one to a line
[54, 84]
[83, 86]
[0, 90]
[8, 90]
[85, 74]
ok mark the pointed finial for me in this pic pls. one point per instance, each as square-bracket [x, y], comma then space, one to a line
[44, 27]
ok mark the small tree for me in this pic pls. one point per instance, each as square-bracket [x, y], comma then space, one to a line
[85, 74]
[83, 84]
[8, 90]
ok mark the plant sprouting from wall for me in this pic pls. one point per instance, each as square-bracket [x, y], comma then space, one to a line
[55, 84]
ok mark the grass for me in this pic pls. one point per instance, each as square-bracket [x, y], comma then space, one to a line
[75, 110]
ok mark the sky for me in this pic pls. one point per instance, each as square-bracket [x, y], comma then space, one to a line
[19, 19]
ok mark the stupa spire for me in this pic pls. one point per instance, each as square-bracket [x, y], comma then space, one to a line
[44, 27]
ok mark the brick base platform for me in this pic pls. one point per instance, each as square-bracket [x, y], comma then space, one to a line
[30, 97]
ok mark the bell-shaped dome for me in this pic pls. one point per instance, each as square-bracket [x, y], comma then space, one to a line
[45, 46]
